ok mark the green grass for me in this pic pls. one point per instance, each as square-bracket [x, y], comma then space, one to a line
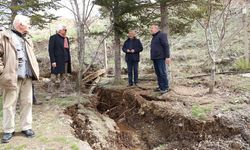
[43, 139]
[242, 65]
[61, 140]
[200, 112]
[161, 147]
[74, 147]
[1, 107]
[19, 147]
[241, 84]
[225, 108]
[68, 101]
[9, 147]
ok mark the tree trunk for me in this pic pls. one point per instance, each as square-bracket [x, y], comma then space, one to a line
[212, 82]
[81, 53]
[246, 39]
[212, 49]
[105, 55]
[14, 3]
[165, 28]
[117, 57]
[164, 17]
[80, 18]
[117, 42]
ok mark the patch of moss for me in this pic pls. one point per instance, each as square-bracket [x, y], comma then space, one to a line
[200, 112]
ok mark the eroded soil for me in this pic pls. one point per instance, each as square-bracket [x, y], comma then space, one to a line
[137, 118]
[187, 117]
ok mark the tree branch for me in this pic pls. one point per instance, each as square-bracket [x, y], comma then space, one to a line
[100, 43]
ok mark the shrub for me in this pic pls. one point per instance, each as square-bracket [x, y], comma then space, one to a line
[242, 65]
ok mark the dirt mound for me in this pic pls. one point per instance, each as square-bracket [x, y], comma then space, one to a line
[101, 132]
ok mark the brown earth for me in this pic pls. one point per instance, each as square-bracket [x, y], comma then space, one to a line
[187, 117]
[137, 118]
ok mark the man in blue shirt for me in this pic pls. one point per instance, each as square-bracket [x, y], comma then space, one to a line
[132, 47]
[160, 55]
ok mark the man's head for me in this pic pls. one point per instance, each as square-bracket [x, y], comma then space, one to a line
[21, 24]
[154, 28]
[61, 29]
[131, 34]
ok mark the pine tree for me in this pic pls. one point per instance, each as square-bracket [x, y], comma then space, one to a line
[36, 9]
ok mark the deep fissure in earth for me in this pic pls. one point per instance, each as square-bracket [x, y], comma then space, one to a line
[144, 124]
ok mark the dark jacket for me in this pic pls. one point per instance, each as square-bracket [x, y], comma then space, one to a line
[132, 44]
[57, 54]
[159, 46]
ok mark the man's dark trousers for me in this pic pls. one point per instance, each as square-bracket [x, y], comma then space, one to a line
[132, 68]
[161, 73]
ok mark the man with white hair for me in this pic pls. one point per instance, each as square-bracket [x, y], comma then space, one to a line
[18, 67]
[59, 52]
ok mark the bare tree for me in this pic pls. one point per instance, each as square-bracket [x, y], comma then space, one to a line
[215, 33]
[81, 11]
[246, 35]
[215, 26]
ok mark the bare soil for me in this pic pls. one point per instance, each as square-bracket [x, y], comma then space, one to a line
[137, 118]
[187, 117]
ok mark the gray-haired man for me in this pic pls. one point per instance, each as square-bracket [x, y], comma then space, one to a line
[18, 66]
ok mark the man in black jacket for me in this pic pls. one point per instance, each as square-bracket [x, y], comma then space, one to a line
[160, 54]
[132, 47]
[60, 58]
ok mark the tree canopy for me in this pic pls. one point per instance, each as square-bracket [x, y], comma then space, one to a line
[38, 10]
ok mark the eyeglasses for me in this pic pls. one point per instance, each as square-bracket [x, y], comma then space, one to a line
[26, 24]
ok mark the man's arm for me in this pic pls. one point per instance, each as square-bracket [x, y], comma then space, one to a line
[125, 47]
[1, 54]
[165, 45]
[139, 48]
[51, 51]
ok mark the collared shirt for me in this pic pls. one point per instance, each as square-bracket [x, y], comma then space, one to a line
[24, 68]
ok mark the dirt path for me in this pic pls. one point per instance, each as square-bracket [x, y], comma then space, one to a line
[52, 128]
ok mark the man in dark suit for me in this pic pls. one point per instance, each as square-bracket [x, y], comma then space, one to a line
[132, 47]
[160, 54]
[59, 52]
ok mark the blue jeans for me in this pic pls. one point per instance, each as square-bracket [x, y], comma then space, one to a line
[132, 69]
[161, 73]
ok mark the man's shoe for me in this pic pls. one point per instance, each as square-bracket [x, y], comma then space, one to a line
[62, 95]
[49, 97]
[29, 133]
[37, 103]
[157, 89]
[163, 91]
[129, 85]
[6, 137]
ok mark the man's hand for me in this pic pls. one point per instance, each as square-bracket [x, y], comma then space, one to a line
[168, 61]
[128, 50]
[53, 64]
[132, 50]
